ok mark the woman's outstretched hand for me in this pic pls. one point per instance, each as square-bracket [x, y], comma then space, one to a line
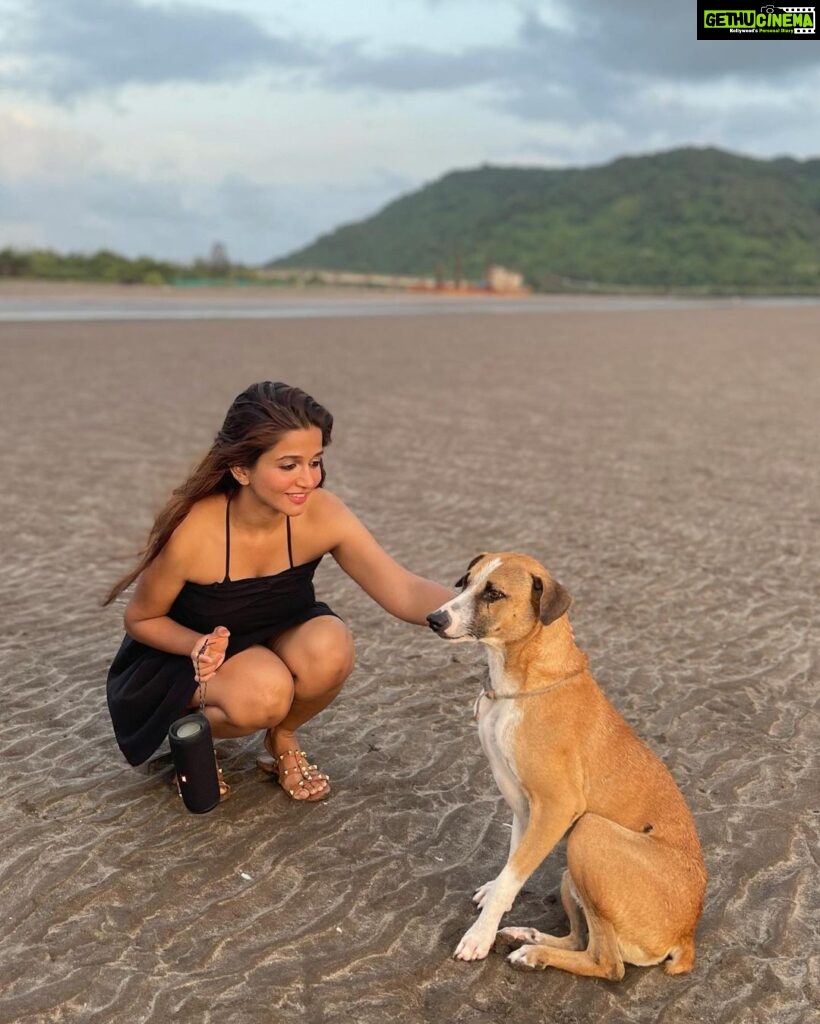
[209, 653]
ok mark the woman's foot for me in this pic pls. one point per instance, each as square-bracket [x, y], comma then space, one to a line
[224, 788]
[299, 779]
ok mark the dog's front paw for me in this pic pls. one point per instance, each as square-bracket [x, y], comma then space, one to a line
[527, 958]
[474, 945]
[512, 938]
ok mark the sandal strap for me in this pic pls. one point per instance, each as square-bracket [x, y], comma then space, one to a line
[303, 769]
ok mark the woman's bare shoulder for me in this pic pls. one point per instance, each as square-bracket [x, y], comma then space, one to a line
[206, 514]
[329, 516]
[202, 527]
[325, 502]
[328, 508]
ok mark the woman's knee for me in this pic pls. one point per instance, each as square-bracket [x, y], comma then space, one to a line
[268, 703]
[321, 658]
[331, 654]
[340, 657]
[260, 694]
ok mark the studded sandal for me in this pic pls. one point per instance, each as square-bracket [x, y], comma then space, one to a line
[295, 777]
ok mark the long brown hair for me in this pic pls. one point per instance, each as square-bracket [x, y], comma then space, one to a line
[255, 422]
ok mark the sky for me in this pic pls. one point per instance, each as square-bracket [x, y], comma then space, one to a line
[157, 127]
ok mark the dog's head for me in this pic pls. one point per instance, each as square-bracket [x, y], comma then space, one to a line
[503, 597]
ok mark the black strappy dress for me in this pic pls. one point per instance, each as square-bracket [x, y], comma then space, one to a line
[148, 689]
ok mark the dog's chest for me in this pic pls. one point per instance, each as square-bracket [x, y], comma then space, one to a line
[498, 721]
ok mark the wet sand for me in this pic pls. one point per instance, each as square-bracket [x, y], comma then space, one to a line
[662, 463]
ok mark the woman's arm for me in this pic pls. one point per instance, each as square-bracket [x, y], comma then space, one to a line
[146, 614]
[403, 594]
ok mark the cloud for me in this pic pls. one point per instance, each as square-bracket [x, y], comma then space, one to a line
[637, 76]
[660, 40]
[179, 220]
[599, 78]
[629, 75]
[591, 58]
[30, 146]
[601, 47]
[414, 69]
[75, 47]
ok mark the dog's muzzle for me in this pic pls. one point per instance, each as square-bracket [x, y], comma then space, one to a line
[438, 621]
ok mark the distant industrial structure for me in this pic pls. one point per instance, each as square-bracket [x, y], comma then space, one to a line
[498, 280]
[503, 281]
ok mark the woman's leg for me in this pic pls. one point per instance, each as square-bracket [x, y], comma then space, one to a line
[281, 688]
[319, 655]
[252, 690]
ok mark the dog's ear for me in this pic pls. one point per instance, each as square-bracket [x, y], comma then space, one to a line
[550, 603]
[463, 581]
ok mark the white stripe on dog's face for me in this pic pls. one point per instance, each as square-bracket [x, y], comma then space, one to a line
[482, 577]
[462, 607]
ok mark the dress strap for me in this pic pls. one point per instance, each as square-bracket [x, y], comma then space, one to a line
[228, 540]
[290, 549]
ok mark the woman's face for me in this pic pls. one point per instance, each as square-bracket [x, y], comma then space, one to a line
[284, 475]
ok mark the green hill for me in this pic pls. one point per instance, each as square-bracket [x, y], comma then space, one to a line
[686, 219]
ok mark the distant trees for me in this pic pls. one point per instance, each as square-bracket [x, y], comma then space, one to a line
[111, 267]
[99, 266]
[12, 264]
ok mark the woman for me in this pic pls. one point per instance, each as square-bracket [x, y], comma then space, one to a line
[224, 608]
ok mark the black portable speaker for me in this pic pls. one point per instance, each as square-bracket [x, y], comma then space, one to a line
[192, 749]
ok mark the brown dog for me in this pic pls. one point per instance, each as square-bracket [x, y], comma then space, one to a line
[566, 761]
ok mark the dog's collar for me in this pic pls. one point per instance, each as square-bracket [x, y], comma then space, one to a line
[491, 694]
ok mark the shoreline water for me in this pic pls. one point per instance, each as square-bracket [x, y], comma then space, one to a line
[50, 302]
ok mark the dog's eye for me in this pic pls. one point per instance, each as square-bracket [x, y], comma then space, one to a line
[491, 594]
[461, 584]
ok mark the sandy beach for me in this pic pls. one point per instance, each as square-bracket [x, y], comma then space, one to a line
[661, 461]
